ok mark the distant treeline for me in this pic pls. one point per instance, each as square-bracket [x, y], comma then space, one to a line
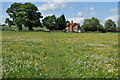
[28, 15]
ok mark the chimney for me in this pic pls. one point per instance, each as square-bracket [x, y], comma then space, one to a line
[72, 21]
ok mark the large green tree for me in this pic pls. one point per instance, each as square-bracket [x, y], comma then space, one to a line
[87, 26]
[110, 25]
[61, 22]
[24, 14]
[92, 24]
[50, 22]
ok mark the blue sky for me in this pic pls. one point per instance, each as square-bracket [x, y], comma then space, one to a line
[76, 11]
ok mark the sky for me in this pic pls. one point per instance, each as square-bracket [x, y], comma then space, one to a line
[76, 11]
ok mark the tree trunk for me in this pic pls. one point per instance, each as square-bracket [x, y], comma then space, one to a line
[19, 27]
[30, 28]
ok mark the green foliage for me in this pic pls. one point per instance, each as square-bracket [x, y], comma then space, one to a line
[61, 22]
[50, 22]
[110, 25]
[87, 25]
[53, 23]
[67, 21]
[101, 28]
[14, 8]
[25, 14]
[9, 22]
[92, 24]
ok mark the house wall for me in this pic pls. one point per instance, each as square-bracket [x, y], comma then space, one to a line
[72, 26]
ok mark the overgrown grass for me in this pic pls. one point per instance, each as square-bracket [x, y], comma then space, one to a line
[59, 55]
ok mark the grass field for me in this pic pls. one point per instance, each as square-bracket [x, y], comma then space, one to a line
[14, 28]
[59, 55]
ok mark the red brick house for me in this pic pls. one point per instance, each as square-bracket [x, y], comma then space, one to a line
[72, 27]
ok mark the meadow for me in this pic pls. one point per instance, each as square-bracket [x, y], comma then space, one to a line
[59, 55]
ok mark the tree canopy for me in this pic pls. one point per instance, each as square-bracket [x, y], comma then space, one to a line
[50, 22]
[24, 14]
[61, 22]
[110, 25]
[92, 24]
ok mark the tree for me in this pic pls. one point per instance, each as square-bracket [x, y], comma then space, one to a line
[110, 25]
[67, 21]
[101, 28]
[95, 24]
[61, 22]
[8, 21]
[12, 12]
[24, 14]
[31, 15]
[50, 22]
[92, 24]
[87, 26]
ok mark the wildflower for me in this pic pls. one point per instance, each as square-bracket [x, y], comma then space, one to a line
[110, 70]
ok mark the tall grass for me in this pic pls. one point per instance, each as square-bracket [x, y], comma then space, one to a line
[59, 55]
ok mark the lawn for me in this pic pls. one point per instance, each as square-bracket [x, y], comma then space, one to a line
[59, 55]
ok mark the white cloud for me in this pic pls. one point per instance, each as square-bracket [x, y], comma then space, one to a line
[76, 20]
[4, 16]
[51, 6]
[60, 0]
[93, 13]
[47, 15]
[79, 14]
[90, 8]
[114, 18]
[114, 10]
[2, 22]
